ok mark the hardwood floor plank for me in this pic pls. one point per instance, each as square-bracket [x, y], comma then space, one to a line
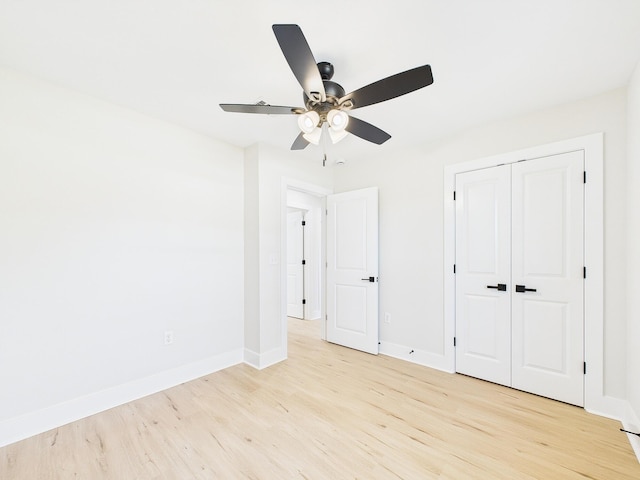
[330, 412]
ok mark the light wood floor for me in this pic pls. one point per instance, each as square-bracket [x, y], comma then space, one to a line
[330, 413]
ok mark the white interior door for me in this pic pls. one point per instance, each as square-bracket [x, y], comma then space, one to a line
[519, 234]
[547, 269]
[483, 250]
[352, 269]
[295, 267]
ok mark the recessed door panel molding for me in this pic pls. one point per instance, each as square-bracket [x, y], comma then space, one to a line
[481, 224]
[482, 328]
[351, 308]
[545, 336]
[544, 197]
[352, 269]
[525, 222]
[351, 231]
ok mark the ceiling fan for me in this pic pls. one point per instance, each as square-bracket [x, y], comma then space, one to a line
[325, 101]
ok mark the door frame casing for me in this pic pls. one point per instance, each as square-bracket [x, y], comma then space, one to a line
[595, 398]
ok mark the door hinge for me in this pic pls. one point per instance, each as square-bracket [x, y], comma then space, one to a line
[304, 262]
[584, 177]
[454, 195]
[584, 272]
[304, 302]
[584, 368]
[454, 341]
[303, 223]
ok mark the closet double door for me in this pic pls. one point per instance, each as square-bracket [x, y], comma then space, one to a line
[520, 274]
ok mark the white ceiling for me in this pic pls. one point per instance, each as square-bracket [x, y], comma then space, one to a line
[178, 59]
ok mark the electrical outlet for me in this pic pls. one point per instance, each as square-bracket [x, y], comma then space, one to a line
[387, 317]
[168, 337]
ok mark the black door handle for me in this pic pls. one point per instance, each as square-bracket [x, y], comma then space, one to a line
[522, 289]
[370, 279]
[501, 286]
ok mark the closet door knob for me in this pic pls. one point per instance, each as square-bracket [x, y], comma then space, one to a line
[522, 289]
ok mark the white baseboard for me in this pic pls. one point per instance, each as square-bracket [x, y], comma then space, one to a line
[252, 358]
[260, 361]
[33, 423]
[631, 422]
[605, 406]
[420, 357]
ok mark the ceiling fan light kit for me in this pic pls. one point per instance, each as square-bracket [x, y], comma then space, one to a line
[325, 100]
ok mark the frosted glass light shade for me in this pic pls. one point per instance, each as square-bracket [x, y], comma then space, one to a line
[308, 121]
[337, 120]
[337, 136]
[313, 136]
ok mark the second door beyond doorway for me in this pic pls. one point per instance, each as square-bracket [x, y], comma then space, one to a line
[295, 264]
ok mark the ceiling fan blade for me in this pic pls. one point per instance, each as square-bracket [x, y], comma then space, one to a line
[298, 54]
[266, 109]
[366, 131]
[300, 143]
[390, 87]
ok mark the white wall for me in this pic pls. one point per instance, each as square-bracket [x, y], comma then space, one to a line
[271, 170]
[251, 255]
[114, 228]
[633, 249]
[411, 219]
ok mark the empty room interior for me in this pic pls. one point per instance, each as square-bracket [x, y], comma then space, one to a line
[276, 240]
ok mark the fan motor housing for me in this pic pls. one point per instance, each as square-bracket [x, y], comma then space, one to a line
[333, 91]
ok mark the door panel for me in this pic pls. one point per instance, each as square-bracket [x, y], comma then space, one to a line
[541, 220]
[482, 328]
[352, 258]
[548, 252]
[483, 249]
[351, 302]
[545, 323]
[351, 244]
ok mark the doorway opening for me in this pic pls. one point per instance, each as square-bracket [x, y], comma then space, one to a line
[304, 255]
[310, 201]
